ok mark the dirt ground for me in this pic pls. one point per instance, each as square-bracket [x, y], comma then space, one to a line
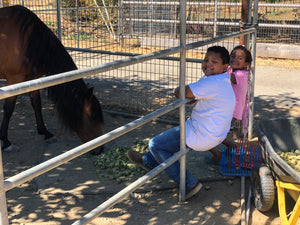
[65, 194]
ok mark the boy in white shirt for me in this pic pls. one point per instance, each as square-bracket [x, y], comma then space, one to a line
[208, 124]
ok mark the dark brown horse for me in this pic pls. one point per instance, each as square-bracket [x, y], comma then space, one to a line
[29, 50]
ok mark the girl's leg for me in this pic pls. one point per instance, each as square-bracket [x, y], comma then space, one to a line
[162, 147]
[229, 143]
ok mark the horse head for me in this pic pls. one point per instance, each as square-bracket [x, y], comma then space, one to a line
[92, 119]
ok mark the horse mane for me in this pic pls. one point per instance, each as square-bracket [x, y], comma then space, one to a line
[46, 53]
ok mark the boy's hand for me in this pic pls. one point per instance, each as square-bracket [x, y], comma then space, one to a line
[191, 102]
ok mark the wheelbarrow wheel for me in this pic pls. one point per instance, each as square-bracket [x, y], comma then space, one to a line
[263, 187]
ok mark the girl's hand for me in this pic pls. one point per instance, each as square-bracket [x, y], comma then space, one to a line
[232, 78]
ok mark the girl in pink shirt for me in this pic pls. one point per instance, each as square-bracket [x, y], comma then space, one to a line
[240, 62]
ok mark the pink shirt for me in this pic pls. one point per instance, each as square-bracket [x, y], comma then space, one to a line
[240, 92]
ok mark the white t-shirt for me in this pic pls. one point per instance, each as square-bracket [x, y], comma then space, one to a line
[211, 117]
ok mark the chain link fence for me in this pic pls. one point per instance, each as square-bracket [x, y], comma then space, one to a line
[279, 20]
[99, 31]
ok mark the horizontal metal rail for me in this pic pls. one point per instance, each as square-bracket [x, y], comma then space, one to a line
[129, 54]
[278, 5]
[219, 23]
[216, 39]
[48, 81]
[280, 25]
[178, 3]
[129, 189]
[81, 149]
[72, 8]
[223, 23]
[210, 4]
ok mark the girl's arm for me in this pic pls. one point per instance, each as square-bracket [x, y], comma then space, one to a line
[232, 78]
[239, 77]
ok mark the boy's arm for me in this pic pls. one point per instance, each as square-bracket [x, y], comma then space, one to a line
[188, 94]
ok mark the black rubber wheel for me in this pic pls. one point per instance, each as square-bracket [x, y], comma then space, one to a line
[263, 188]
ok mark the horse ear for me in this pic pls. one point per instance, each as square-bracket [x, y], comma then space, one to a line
[90, 92]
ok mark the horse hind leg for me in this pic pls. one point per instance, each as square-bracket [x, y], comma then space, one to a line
[35, 99]
[8, 108]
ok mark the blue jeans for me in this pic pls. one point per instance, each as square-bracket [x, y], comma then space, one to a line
[162, 147]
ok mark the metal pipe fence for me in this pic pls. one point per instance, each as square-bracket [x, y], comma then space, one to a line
[42, 168]
[86, 31]
[179, 155]
[112, 65]
[52, 163]
[276, 20]
[71, 154]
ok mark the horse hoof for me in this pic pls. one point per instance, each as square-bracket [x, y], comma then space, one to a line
[51, 140]
[11, 148]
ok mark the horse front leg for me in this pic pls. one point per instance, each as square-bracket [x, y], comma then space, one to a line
[8, 109]
[35, 99]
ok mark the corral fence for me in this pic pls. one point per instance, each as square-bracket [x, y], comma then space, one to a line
[98, 32]
[142, 76]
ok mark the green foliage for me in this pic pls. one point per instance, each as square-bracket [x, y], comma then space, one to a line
[271, 1]
[115, 165]
[292, 158]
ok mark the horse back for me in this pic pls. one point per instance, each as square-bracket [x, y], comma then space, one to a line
[28, 48]
[13, 44]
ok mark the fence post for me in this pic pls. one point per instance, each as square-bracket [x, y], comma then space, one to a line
[215, 18]
[58, 19]
[120, 23]
[182, 97]
[3, 207]
[253, 52]
[151, 11]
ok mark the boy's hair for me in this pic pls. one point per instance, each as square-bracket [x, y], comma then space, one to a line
[245, 50]
[223, 52]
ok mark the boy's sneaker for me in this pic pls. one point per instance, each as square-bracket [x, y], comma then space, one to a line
[190, 193]
[137, 158]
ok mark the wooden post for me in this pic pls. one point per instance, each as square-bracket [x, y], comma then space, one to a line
[244, 19]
